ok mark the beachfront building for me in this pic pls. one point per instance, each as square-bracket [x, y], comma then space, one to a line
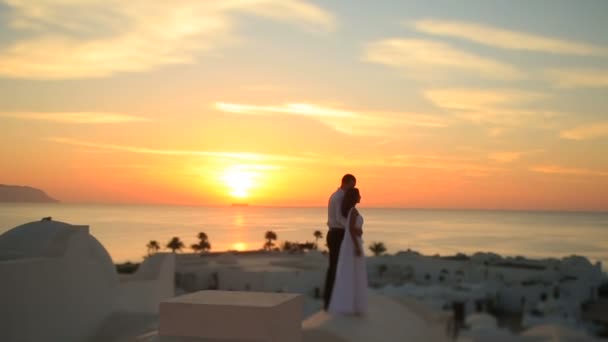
[58, 283]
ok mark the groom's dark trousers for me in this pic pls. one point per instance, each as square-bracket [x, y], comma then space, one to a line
[334, 240]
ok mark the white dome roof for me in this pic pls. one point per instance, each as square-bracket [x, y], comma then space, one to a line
[47, 238]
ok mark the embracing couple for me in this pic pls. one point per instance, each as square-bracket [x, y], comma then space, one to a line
[346, 281]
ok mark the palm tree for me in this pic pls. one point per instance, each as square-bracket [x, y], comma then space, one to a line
[153, 247]
[175, 244]
[377, 248]
[270, 237]
[202, 236]
[318, 235]
[203, 244]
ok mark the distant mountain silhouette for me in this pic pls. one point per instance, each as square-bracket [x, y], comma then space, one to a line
[14, 193]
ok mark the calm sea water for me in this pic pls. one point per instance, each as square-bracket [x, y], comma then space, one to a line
[126, 229]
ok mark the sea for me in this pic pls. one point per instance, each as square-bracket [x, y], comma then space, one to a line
[125, 230]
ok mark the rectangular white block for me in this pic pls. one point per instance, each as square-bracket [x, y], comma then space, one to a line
[233, 316]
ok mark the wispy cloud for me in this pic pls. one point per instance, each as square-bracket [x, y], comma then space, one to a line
[554, 169]
[77, 117]
[588, 131]
[298, 12]
[505, 157]
[98, 38]
[479, 99]
[509, 156]
[465, 166]
[236, 156]
[494, 106]
[342, 120]
[505, 39]
[578, 78]
[495, 131]
[430, 58]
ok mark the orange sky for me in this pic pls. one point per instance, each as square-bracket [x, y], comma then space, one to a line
[271, 102]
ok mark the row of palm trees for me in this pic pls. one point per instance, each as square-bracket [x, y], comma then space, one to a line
[175, 244]
[203, 245]
[271, 236]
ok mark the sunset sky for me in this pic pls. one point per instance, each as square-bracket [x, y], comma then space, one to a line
[449, 104]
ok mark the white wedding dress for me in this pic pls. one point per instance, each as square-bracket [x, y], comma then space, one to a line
[349, 295]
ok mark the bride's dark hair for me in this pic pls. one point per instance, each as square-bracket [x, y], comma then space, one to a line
[351, 197]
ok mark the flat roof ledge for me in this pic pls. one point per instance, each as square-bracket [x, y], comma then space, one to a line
[232, 316]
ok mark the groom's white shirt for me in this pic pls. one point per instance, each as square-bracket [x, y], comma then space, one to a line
[334, 216]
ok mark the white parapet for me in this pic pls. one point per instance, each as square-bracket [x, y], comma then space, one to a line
[232, 316]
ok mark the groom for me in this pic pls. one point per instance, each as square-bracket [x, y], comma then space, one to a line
[336, 223]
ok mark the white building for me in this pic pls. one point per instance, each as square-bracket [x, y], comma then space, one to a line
[263, 271]
[544, 291]
[58, 283]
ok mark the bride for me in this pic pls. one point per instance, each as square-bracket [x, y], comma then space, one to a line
[349, 295]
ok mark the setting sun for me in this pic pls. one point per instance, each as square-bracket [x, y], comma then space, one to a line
[238, 182]
[239, 246]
